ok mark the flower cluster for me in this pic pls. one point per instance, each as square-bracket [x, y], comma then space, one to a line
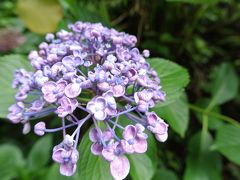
[98, 73]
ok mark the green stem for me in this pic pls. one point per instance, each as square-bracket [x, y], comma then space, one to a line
[213, 114]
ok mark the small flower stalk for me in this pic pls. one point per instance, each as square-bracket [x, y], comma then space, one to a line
[104, 64]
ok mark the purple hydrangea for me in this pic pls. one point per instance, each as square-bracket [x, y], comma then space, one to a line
[91, 73]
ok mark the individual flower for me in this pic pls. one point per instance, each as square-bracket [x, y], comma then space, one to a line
[99, 139]
[67, 160]
[119, 164]
[52, 91]
[67, 106]
[157, 126]
[97, 107]
[39, 128]
[134, 139]
[16, 112]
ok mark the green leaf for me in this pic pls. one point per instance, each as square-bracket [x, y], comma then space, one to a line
[213, 123]
[53, 174]
[176, 114]
[202, 164]
[141, 167]
[224, 86]
[40, 153]
[91, 167]
[174, 78]
[165, 174]
[152, 149]
[10, 161]
[40, 16]
[228, 142]
[8, 64]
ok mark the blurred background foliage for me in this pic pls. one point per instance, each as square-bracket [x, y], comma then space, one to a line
[201, 35]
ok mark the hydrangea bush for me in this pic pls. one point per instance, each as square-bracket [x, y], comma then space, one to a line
[100, 63]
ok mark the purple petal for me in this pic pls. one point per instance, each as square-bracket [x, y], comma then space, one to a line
[140, 145]
[128, 148]
[49, 97]
[106, 135]
[68, 169]
[48, 87]
[96, 148]
[108, 153]
[152, 118]
[100, 102]
[129, 132]
[120, 167]
[93, 135]
[72, 90]
[91, 106]
[57, 155]
[118, 90]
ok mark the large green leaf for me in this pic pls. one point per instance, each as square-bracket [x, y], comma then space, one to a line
[91, 167]
[10, 161]
[176, 114]
[228, 142]
[8, 64]
[202, 164]
[40, 153]
[224, 86]
[141, 167]
[173, 78]
[40, 16]
[165, 174]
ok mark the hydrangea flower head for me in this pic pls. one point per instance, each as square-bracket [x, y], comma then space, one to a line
[105, 65]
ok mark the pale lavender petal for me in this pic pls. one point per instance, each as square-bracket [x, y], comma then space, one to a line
[93, 135]
[108, 153]
[118, 90]
[48, 87]
[120, 167]
[73, 90]
[161, 137]
[129, 132]
[100, 115]
[140, 145]
[100, 103]
[106, 135]
[68, 169]
[128, 148]
[91, 107]
[49, 97]
[57, 155]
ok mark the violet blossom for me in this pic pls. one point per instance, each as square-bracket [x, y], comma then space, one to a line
[91, 73]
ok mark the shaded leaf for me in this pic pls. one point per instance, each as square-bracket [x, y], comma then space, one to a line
[40, 16]
[174, 78]
[40, 153]
[141, 167]
[165, 174]
[228, 142]
[176, 114]
[8, 65]
[10, 161]
[202, 164]
[224, 86]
